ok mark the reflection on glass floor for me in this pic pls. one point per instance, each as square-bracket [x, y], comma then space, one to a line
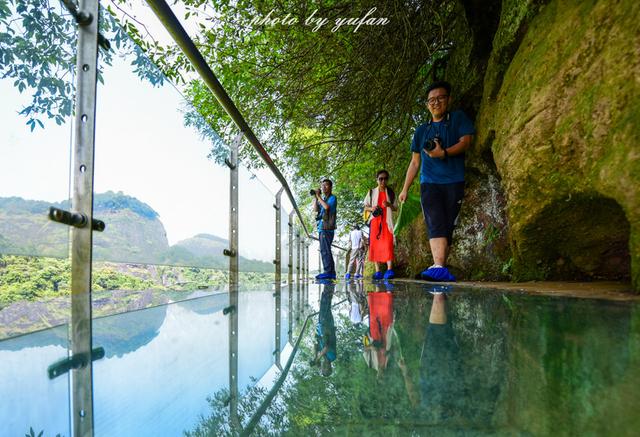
[416, 359]
[393, 358]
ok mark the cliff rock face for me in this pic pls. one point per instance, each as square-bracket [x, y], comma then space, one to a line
[554, 175]
[561, 127]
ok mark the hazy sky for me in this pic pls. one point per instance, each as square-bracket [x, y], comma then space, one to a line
[143, 150]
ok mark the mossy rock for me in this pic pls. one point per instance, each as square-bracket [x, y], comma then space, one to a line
[563, 132]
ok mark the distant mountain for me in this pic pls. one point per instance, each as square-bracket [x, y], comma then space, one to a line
[133, 234]
[26, 230]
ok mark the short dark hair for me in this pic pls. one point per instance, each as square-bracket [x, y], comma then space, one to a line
[382, 171]
[439, 84]
[328, 181]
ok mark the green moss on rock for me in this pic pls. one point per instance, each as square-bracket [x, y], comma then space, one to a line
[562, 127]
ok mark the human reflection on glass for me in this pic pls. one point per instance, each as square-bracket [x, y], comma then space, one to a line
[325, 346]
[376, 342]
[441, 379]
[358, 302]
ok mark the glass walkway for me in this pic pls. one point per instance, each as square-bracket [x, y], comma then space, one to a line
[402, 358]
[154, 283]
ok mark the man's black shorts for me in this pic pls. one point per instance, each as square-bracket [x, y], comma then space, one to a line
[440, 206]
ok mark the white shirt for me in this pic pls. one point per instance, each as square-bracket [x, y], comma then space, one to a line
[356, 238]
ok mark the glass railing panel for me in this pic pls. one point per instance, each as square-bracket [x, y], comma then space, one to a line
[257, 311]
[315, 260]
[160, 277]
[256, 226]
[285, 210]
[256, 341]
[339, 257]
[164, 200]
[285, 315]
[161, 365]
[37, 89]
[30, 400]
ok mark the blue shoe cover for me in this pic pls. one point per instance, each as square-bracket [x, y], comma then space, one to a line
[347, 276]
[377, 275]
[330, 276]
[322, 276]
[358, 276]
[389, 274]
[438, 274]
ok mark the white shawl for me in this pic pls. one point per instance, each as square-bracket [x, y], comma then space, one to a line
[371, 199]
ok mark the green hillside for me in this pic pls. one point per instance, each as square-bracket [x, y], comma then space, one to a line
[131, 254]
[134, 234]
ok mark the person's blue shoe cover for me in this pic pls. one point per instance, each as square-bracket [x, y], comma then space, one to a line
[347, 276]
[389, 285]
[377, 275]
[389, 274]
[438, 274]
[326, 276]
[358, 276]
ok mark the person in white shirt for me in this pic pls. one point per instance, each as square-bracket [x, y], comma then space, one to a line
[358, 249]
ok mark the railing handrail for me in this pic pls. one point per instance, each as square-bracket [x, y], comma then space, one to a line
[181, 37]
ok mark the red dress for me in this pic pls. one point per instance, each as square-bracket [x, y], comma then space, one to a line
[380, 240]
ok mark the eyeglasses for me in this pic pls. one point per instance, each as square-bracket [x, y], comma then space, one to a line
[439, 99]
[383, 178]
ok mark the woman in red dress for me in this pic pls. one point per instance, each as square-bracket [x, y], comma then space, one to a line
[381, 202]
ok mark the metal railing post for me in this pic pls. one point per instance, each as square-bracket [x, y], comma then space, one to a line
[290, 275]
[232, 253]
[298, 291]
[81, 238]
[305, 275]
[308, 276]
[278, 262]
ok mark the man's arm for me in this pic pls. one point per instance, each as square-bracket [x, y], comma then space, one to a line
[412, 171]
[460, 147]
[319, 200]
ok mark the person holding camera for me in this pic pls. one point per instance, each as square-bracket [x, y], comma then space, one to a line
[380, 202]
[325, 205]
[438, 148]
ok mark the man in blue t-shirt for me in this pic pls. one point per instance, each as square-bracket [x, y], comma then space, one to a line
[325, 205]
[438, 148]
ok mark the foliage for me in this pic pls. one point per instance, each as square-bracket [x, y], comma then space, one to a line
[30, 278]
[32, 433]
[38, 51]
[341, 104]
[108, 278]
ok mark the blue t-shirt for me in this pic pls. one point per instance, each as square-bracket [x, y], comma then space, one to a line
[333, 206]
[454, 126]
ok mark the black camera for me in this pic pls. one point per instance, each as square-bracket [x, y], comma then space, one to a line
[377, 211]
[431, 143]
[312, 192]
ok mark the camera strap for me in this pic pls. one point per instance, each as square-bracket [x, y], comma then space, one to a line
[439, 133]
